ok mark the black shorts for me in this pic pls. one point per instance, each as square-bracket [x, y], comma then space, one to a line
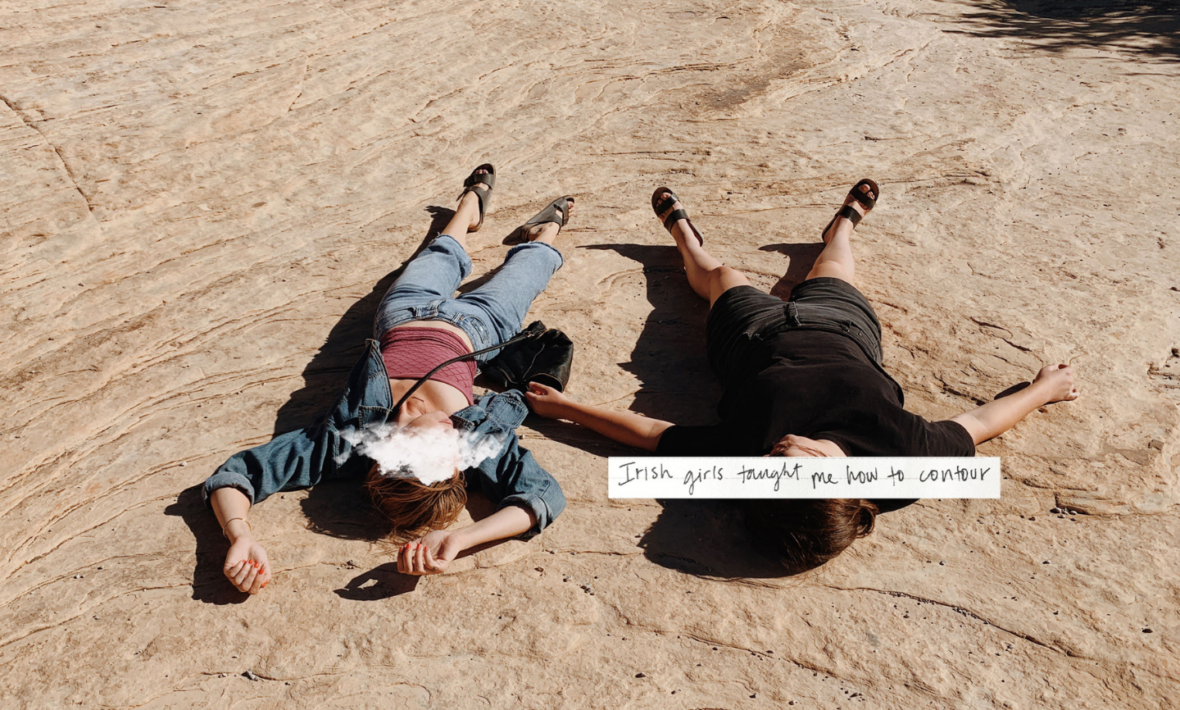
[743, 317]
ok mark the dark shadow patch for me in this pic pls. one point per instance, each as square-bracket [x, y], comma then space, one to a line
[1147, 29]
[707, 538]
[381, 582]
[342, 509]
[801, 258]
[669, 355]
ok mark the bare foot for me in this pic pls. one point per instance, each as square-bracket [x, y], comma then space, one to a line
[1057, 383]
[682, 228]
[849, 200]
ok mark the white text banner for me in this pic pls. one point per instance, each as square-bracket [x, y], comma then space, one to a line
[781, 477]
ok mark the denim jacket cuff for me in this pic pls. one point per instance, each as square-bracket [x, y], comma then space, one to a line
[536, 505]
[227, 479]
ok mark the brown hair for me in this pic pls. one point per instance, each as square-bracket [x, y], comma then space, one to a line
[807, 533]
[414, 508]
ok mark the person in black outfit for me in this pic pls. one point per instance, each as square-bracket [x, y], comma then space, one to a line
[802, 378]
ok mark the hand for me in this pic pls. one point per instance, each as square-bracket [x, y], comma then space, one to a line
[430, 554]
[246, 565]
[546, 401]
[1056, 383]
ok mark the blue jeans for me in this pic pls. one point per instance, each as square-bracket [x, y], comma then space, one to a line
[490, 314]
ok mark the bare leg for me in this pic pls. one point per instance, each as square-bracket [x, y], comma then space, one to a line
[708, 277]
[465, 218]
[836, 260]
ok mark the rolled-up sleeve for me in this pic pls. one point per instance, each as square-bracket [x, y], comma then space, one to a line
[297, 459]
[538, 492]
[515, 478]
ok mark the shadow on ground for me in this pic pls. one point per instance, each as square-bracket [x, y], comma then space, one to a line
[669, 355]
[1145, 28]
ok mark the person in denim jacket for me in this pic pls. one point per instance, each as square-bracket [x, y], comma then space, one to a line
[527, 497]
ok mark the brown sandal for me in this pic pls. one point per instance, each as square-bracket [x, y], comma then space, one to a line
[660, 205]
[481, 184]
[849, 212]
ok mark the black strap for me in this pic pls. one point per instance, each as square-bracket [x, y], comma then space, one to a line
[849, 213]
[674, 218]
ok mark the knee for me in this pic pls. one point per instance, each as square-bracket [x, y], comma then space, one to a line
[725, 273]
[728, 277]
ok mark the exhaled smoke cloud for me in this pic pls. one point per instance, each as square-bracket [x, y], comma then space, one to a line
[429, 455]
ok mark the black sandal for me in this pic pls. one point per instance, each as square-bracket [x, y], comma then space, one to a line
[558, 212]
[849, 212]
[659, 206]
[481, 184]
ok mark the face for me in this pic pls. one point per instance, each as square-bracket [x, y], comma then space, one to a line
[798, 446]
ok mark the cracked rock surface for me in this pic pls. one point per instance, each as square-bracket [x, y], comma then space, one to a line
[201, 203]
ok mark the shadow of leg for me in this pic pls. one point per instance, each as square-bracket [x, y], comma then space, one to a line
[802, 258]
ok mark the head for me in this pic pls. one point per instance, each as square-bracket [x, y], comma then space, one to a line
[807, 533]
[795, 446]
[414, 508]
[420, 488]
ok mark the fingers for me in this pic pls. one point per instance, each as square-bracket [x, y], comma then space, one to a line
[244, 578]
[420, 559]
[408, 558]
[251, 575]
[431, 565]
[403, 559]
[263, 577]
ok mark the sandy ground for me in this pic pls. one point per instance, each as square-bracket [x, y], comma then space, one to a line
[201, 201]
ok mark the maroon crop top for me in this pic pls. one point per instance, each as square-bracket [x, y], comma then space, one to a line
[409, 353]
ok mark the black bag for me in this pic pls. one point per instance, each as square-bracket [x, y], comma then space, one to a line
[546, 358]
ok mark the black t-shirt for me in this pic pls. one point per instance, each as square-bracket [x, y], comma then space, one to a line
[822, 386]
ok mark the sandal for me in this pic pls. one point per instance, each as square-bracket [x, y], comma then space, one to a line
[849, 212]
[558, 212]
[659, 206]
[481, 184]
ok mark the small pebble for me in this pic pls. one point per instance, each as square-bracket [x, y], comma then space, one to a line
[184, 463]
[640, 675]
[1147, 631]
[1032, 518]
[1055, 511]
[942, 562]
[250, 675]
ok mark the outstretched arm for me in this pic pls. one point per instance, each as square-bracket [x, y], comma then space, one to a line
[624, 427]
[1054, 383]
[433, 552]
[246, 564]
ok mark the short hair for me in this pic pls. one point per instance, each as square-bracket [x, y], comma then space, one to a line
[414, 508]
[805, 534]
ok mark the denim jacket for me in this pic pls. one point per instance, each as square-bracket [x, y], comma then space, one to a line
[303, 458]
